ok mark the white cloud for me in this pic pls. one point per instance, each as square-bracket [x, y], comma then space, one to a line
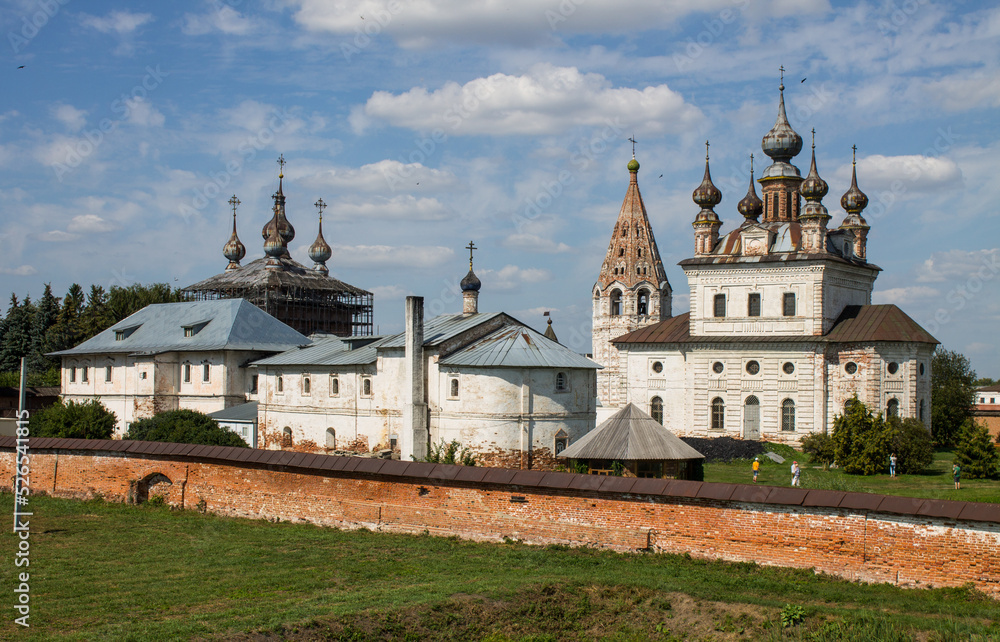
[386, 256]
[377, 177]
[399, 208]
[23, 270]
[120, 22]
[225, 20]
[534, 243]
[57, 236]
[511, 276]
[902, 296]
[964, 92]
[960, 265]
[89, 223]
[912, 173]
[72, 118]
[142, 113]
[385, 293]
[545, 100]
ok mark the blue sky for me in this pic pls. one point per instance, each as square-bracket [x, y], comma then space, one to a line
[426, 123]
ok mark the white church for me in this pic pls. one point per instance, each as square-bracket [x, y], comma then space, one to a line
[781, 332]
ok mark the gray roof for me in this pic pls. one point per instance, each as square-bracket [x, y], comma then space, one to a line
[243, 412]
[444, 327]
[330, 351]
[517, 347]
[291, 275]
[631, 435]
[226, 324]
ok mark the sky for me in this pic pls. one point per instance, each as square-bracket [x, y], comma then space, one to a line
[424, 124]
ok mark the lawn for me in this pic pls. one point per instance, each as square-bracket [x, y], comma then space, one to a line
[934, 483]
[112, 571]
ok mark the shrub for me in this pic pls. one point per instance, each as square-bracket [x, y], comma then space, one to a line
[912, 443]
[975, 452]
[183, 427]
[861, 442]
[72, 420]
[820, 448]
[449, 453]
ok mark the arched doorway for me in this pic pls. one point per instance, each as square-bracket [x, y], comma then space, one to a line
[751, 418]
[152, 485]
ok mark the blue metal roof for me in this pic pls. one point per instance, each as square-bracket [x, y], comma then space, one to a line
[224, 324]
[330, 351]
[244, 412]
[444, 327]
[517, 347]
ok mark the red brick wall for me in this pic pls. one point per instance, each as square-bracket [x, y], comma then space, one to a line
[856, 544]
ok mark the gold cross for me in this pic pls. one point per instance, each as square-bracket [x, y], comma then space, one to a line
[320, 205]
[281, 162]
[234, 202]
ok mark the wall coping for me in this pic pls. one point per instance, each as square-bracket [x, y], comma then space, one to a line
[541, 480]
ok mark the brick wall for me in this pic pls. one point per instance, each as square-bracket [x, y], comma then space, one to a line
[859, 536]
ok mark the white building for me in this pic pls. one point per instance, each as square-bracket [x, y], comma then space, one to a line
[781, 332]
[505, 392]
[174, 355]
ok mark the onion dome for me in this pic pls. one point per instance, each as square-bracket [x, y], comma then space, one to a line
[781, 143]
[751, 206]
[320, 251]
[274, 249]
[633, 165]
[234, 250]
[813, 188]
[471, 282]
[285, 230]
[707, 195]
[854, 200]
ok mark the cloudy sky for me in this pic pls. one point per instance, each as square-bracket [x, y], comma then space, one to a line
[426, 123]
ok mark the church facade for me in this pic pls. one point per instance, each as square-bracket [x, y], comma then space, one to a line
[781, 332]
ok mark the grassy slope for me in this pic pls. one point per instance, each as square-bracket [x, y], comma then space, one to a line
[110, 571]
[934, 483]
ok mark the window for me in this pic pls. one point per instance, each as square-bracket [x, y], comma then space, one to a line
[753, 304]
[453, 389]
[656, 409]
[189, 331]
[561, 382]
[788, 304]
[142, 375]
[718, 414]
[720, 305]
[643, 302]
[561, 441]
[788, 415]
[187, 373]
[639, 251]
[281, 383]
[850, 367]
[306, 385]
[206, 372]
[334, 385]
[921, 369]
[621, 251]
[921, 410]
[83, 374]
[107, 374]
[624, 230]
[788, 368]
[649, 469]
[366, 387]
[850, 404]
[657, 367]
[892, 408]
[753, 367]
[616, 303]
[253, 384]
[119, 335]
[892, 368]
[72, 374]
[286, 437]
[331, 438]
[717, 367]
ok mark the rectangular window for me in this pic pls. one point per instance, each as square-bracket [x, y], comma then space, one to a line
[107, 374]
[72, 374]
[753, 305]
[83, 374]
[119, 335]
[187, 373]
[789, 304]
[720, 305]
[205, 372]
[253, 384]
[189, 331]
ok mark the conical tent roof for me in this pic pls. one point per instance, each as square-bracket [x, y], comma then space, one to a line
[631, 435]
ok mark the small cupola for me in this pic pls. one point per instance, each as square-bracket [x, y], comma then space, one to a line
[320, 251]
[470, 286]
[234, 250]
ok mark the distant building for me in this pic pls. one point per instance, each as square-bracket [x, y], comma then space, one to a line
[986, 408]
[781, 331]
[241, 419]
[307, 299]
[168, 356]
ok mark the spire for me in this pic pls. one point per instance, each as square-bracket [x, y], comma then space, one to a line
[854, 200]
[707, 194]
[813, 188]
[470, 286]
[814, 215]
[285, 230]
[751, 206]
[234, 250]
[781, 143]
[320, 251]
[707, 223]
[549, 332]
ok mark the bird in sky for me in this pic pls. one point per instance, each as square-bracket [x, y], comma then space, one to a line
[21, 67]
[803, 80]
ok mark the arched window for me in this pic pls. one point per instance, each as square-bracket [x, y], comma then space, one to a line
[306, 385]
[281, 383]
[187, 373]
[331, 438]
[751, 418]
[453, 391]
[561, 383]
[849, 404]
[656, 409]
[718, 414]
[286, 437]
[72, 374]
[561, 441]
[921, 410]
[624, 230]
[334, 385]
[107, 374]
[616, 303]
[206, 371]
[788, 415]
[892, 408]
[366, 387]
[643, 302]
[83, 374]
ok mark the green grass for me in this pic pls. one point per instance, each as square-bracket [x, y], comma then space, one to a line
[934, 483]
[112, 571]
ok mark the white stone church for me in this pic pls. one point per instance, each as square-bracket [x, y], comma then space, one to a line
[781, 332]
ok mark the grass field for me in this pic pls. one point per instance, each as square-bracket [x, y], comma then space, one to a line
[934, 483]
[111, 571]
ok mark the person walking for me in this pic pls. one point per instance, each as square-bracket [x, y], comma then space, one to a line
[892, 465]
[756, 468]
[796, 471]
[956, 472]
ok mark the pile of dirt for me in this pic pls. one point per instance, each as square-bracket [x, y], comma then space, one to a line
[725, 448]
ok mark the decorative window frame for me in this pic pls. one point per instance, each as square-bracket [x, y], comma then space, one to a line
[366, 388]
[454, 387]
[564, 387]
[334, 384]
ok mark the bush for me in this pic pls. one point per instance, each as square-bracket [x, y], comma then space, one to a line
[975, 452]
[912, 443]
[820, 448]
[183, 427]
[449, 453]
[72, 420]
[861, 442]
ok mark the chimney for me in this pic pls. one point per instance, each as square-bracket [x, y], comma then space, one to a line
[414, 436]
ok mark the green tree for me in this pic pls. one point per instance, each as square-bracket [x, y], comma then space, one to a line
[820, 447]
[72, 420]
[67, 332]
[46, 313]
[125, 301]
[912, 443]
[982, 382]
[15, 341]
[861, 442]
[96, 318]
[953, 390]
[975, 452]
[183, 427]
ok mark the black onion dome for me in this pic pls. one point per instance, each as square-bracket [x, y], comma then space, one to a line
[813, 188]
[781, 143]
[751, 206]
[471, 282]
[854, 200]
[707, 195]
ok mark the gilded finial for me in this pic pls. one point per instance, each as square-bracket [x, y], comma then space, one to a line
[814, 137]
[706, 150]
[781, 85]
[281, 163]
[854, 154]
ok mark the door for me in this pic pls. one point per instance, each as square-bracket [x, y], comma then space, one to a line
[751, 418]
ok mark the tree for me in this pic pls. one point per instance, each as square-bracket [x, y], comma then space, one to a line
[911, 442]
[67, 332]
[861, 442]
[72, 420]
[46, 313]
[183, 427]
[982, 382]
[975, 452]
[96, 318]
[123, 302]
[820, 447]
[16, 337]
[953, 391]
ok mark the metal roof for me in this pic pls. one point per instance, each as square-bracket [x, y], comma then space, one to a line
[856, 324]
[517, 347]
[630, 435]
[330, 351]
[444, 327]
[243, 412]
[291, 275]
[230, 324]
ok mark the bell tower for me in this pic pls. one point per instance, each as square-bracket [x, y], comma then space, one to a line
[631, 292]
